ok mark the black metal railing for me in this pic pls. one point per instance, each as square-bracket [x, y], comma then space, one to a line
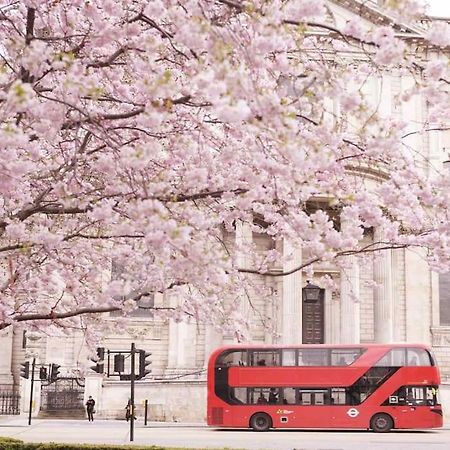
[9, 403]
[64, 394]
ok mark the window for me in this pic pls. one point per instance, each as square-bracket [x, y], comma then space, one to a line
[313, 357]
[258, 396]
[344, 356]
[232, 358]
[414, 395]
[264, 357]
[312, 396]
[288, 357]
[399, 357]
[418, 357]
[238, 395]
[289, 396]
[338, 396]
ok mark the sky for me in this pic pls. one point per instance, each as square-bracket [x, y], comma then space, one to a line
[439, 8]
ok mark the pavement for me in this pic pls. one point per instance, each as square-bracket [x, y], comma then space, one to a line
[200, 436]
[115, 432]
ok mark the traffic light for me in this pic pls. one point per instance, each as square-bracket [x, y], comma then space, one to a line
[119, 363]
[25, 370]
[143, 363]
[54, 372]
[99, 367]
[43, 373]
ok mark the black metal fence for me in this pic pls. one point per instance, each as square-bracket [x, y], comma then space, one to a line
[9, 403]
[64, 394]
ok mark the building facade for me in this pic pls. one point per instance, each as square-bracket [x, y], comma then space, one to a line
[390, 298]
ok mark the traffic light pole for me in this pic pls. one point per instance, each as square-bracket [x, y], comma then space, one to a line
[133, 354]
[33, 364]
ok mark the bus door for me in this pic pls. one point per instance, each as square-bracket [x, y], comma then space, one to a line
[315, 408]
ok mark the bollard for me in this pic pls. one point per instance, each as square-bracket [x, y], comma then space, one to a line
[145, 411]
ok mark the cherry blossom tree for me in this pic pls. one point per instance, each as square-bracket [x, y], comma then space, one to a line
[141, 133]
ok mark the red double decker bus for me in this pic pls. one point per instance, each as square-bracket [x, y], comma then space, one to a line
[378, 387]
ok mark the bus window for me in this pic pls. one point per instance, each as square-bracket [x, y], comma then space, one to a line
[394, 358]
[289, 396]
[313, 357]
[338, 396]
[288, 357]
[238, 395]
[232, 358]
[344, 356]
[305, 398]
[414, 395]
[264, 357]
[258, 396]
[418, 357]
[432, 395]
[312, 396]
[319, 398]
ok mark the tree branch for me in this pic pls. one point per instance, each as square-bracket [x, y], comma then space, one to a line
[65, 315]
[366, 249]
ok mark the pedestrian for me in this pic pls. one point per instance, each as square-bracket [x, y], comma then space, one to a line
[128, 411]
[90, 408]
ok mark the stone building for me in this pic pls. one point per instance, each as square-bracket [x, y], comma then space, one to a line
[409, 304]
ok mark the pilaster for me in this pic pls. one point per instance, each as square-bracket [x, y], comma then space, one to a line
[243, 241]
[350, 302]
[6, 352]
[291, 331]
[383, 301]
[418, 297]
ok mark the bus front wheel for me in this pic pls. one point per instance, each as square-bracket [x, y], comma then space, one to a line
[260, 422]
[381, 423]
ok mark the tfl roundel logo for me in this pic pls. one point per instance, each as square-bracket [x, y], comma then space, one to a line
[352, 412]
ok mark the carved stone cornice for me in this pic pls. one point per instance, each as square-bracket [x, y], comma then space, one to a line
[370, 11]
[440, 336]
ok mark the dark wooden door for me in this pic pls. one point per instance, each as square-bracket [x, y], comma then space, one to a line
[313, 320]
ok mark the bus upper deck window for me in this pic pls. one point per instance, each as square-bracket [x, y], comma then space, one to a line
[418, 357]
[288, 357]
[264, 358]
[344, 356]
[232, 358]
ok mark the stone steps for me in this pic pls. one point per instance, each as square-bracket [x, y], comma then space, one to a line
[63, 414]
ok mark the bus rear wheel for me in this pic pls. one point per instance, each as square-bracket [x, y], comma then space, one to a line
[381, 423]
[260, 422]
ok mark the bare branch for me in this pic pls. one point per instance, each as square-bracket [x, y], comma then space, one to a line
[370, 248]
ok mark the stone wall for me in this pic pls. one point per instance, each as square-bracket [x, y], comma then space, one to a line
[174, 401]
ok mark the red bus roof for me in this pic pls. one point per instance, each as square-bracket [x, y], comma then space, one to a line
[330, 346]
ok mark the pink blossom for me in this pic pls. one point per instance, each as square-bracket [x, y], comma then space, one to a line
[439, 34]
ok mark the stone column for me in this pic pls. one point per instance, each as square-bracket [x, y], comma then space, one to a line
[18, 353]
[6, 351]
[418, 297]
[383, 301]
[213, 340]
[182, 342]
[332, 318]
[176, 352]
[350, 302]
[244, 240]
[333, 321]
[291, 315]
[397, 297]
